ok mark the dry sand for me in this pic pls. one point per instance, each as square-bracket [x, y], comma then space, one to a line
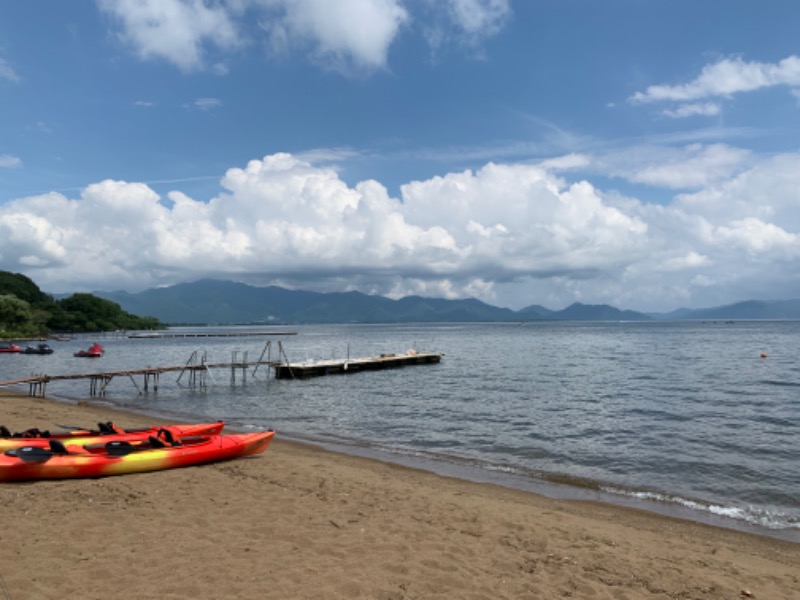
[300, 522]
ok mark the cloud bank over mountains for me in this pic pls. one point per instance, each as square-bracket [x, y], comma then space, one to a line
[283, 221]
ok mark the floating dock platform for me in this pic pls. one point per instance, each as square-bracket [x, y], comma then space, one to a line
[285, 370]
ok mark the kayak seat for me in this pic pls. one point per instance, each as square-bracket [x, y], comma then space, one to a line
[155, 442]
[30, 453]
[110, 427]
[57, 447]
[166, 436]
[4, 432]
[119, 448]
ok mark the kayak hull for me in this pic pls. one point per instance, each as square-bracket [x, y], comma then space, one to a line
[83, 438]
[80, 463]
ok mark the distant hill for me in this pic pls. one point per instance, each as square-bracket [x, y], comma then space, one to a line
[536, 311]
[597, 312]
[225, 302]
[750, 309]
[211, 301]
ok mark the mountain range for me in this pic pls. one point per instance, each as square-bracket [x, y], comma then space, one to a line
[211, 301]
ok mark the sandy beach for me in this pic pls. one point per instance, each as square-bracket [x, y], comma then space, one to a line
[302, 522]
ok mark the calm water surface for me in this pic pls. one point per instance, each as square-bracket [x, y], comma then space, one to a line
[684, 418]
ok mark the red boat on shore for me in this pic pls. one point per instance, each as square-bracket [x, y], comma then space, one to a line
[94, 351]
[60, 461]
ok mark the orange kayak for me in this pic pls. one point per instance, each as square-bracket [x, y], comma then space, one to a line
[107, 432]
[120, 457]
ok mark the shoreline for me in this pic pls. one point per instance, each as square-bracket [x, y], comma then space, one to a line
[301, 521]
[553, 489]
[556, 488]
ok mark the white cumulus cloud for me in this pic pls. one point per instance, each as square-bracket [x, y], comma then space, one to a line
[480, 18]
[352, 37]
[173, 30]
[345, 35]
[724, 78]
[512, 234]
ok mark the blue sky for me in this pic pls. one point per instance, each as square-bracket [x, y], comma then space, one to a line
[637, 153]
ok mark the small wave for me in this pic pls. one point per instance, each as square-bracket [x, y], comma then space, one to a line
[501, 468]
[773, 519]
[780, 383]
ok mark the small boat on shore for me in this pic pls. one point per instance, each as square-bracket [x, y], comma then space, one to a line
[38, 349]
[60, 461]
[94, 351]
[9, 348]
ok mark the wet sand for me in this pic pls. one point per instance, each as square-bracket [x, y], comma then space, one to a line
[303, 522]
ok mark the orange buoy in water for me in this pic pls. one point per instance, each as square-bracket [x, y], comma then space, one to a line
[763, 355]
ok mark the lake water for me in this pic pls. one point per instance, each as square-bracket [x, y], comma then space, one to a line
[700, 420]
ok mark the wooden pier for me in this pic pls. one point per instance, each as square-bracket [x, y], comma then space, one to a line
[353, 365]
[98, 382]
[197, 369]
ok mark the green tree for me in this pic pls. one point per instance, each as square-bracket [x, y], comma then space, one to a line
[92, 313]
[16, 317]
[27, 311]
[86, 312]
[23, 288]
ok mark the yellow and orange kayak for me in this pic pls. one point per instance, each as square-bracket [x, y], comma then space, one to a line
[120, 457]
[107, 432]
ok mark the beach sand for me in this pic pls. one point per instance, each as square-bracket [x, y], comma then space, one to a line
[302, 522]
